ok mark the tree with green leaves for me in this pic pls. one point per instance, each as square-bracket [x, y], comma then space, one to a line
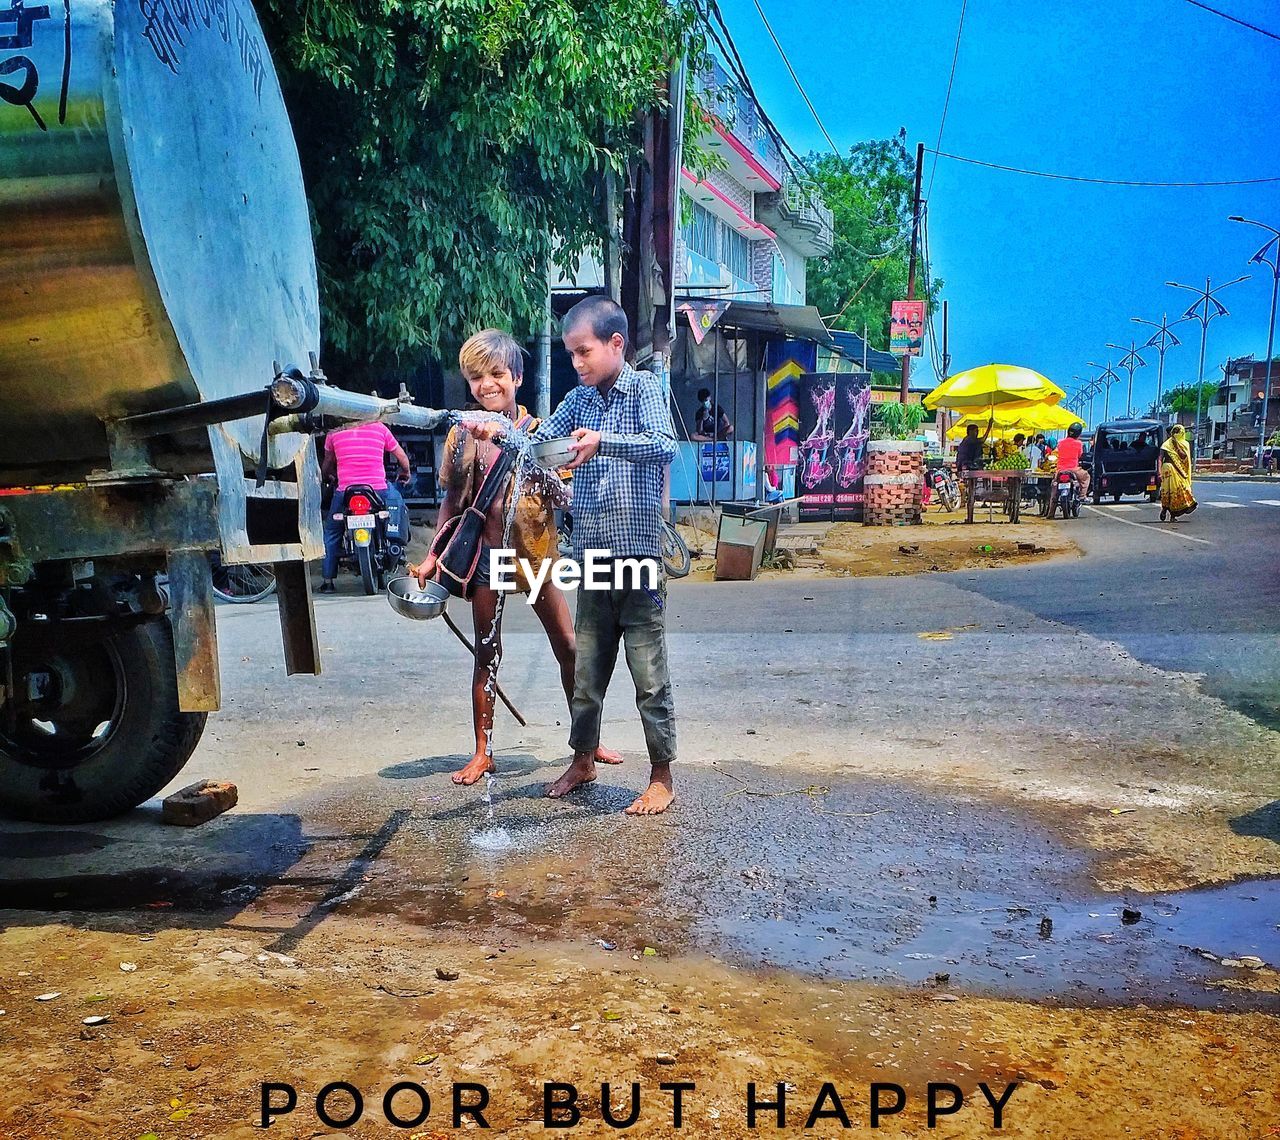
[870, 192]
[1183, 397]
[453, 149]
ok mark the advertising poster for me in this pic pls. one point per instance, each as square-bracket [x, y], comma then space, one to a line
[714, 462]
[785, 363]
[906, 328]
[816, 395]
[853, 428]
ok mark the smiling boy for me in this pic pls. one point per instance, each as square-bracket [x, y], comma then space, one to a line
[492, 364]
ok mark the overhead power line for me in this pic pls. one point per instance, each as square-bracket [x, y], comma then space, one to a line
[796, 163]
[733, 61]
[1103, 181]
[946, 103]
[1235, 20]
[796, 79]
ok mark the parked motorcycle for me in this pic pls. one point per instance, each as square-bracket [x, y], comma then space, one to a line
[372, 545]
[1068, 496]
[944, 487]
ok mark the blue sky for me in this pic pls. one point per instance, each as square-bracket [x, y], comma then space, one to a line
[1046, 273]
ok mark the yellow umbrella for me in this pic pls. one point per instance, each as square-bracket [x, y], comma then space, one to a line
[1006, 419]
[991, 385]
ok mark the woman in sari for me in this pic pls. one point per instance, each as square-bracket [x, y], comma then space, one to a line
[1175, 476]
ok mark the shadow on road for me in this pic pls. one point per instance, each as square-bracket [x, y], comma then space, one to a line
[1261, 823]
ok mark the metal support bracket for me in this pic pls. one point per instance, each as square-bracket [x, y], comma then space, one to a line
[195, 638]
[297, 619]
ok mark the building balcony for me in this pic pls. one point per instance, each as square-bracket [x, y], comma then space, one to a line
[799, 216]
[738, 133]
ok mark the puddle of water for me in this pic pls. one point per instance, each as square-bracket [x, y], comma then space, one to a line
[870, 880]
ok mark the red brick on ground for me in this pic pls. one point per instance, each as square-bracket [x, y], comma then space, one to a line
[198, 803]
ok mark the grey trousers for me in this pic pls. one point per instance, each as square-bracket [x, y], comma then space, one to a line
[637, 618]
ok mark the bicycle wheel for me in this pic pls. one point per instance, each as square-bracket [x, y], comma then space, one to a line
[242, 584]
[675, 554]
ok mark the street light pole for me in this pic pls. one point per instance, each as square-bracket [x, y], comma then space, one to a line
[1095, 386]
[1131, 362]
[1260, 258]
[1161, 340]
[1204, 309]
[1108, 371]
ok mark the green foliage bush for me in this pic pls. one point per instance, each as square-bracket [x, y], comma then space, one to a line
[452, 149]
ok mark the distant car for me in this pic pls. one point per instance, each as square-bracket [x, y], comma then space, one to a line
[1125, 459]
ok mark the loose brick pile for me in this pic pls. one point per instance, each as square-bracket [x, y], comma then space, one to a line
[894, 482]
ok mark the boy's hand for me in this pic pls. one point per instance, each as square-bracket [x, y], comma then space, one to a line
[586, 445]
[425, 571]
[488, 430]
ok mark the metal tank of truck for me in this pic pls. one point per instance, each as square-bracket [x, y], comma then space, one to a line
[157, 294]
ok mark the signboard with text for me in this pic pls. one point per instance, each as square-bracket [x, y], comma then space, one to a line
[906, 328]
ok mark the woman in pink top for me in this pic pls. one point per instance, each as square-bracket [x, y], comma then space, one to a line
[355, 455]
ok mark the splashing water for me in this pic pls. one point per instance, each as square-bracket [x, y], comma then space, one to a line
[527, 475]
[493, 839]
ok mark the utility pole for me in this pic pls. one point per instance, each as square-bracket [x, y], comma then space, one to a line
[1129, 363]
[1109, 376]
[946, 371]
[911, 265]
[1260, 258]
[946, 353]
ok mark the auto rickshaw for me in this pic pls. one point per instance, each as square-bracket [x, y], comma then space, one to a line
[1125, 459]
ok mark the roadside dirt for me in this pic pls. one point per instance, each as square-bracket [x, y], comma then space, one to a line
[943, 542]
[209, 1015]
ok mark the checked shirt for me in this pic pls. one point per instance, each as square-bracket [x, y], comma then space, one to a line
[618, 493]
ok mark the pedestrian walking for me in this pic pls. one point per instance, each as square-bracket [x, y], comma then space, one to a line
[1175, 476]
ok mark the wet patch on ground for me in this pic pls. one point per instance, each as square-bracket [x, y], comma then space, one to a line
[851, 880]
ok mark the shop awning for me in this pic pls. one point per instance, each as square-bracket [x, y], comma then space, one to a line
[852, 345]
[800, 322]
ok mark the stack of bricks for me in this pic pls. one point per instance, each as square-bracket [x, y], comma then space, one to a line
[894, 482]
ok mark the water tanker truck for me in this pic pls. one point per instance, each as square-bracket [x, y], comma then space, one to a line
[159, 333]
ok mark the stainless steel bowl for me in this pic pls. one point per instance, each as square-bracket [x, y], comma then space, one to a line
[408, 600]
[554, 453]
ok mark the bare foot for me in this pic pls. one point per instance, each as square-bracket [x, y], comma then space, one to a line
[607, 756]
[658, 796]
[479, 765]
[581, 771]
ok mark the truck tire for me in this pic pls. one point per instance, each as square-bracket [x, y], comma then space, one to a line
[96, 729]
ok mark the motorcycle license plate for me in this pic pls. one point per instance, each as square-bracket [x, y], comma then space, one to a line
[359, 522]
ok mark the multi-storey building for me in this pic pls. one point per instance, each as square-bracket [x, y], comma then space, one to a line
[750, 225]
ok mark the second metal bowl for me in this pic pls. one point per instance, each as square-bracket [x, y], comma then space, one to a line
[554, 453]
[411, 601]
